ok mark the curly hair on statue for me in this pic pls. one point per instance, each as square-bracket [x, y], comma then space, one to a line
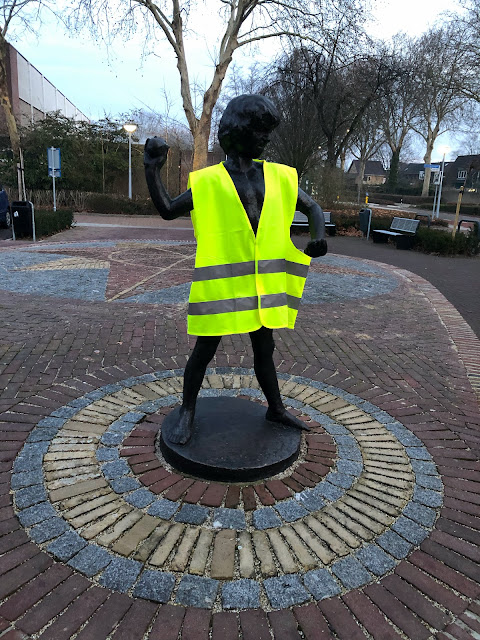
[246, 111]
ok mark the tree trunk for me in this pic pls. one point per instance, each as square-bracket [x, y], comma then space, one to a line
[6, 103]
[393, 173]
[361, 175]
[200, 144]
[428, 159]
[332, 157]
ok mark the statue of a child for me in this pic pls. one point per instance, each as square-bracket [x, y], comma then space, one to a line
[249, 276]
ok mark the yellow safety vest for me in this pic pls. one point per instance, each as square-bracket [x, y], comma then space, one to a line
[244, 281]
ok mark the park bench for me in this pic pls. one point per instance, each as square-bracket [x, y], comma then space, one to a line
[426, 216]
[301, 220]
[402, 232]
[472, 225]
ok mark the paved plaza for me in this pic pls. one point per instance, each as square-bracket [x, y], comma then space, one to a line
[373, 532]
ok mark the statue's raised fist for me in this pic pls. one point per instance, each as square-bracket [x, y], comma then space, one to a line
[156, 150]
[316, 248]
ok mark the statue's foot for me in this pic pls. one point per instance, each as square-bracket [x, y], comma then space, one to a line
[181, 432]
[286, 418]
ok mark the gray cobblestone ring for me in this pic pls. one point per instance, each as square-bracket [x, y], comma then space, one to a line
[79, 499]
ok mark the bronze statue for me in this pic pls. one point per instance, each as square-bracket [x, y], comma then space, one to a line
[244, 132]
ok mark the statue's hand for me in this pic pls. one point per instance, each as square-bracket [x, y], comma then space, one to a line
[155, 152]
[316, 248]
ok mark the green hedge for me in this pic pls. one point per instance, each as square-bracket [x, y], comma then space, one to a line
[426, 240]
[466, 209]
[50, 222]
[391, 198]
[442, 243]
[107, 203]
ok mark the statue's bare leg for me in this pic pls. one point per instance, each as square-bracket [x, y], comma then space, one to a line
[197, 364]
[263, 348]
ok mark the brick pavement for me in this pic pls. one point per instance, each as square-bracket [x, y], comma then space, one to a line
[373, 532]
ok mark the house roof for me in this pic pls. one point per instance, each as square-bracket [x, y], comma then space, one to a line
[372, 168]
[413, 168]
[467, 162]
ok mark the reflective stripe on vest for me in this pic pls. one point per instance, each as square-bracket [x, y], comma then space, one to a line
[243, 304]
[243, 281]
[248, 268]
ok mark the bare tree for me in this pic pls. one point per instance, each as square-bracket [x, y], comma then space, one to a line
[343, 92]
[400, 103]
[151, 122]
[446, 78]
[323, 97]
[367, 141]
[468, 136]
[298, 139]
[246, 22]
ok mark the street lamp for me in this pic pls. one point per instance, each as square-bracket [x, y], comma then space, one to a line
[130, 127]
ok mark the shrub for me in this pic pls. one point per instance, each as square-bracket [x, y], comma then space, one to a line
[442, 243]
[466, 209]
[50, 222]
[391, 198]
[107, 203]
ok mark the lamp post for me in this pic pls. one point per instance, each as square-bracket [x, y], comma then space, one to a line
[130, 128]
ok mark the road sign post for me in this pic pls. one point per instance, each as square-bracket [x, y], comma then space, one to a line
[54, 169]
[435, 168]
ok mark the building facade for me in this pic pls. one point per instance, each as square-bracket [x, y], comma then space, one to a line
[374, 173]
[32, 95]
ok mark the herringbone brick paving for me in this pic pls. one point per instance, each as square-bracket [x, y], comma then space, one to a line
[408, 352]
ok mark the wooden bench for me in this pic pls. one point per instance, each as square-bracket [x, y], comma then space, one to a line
[301, 220]
[402, 232]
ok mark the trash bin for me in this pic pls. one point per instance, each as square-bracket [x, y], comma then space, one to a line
[365, 219]
[22, 218]
[5, 215]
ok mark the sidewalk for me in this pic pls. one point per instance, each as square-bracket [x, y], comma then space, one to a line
[374, 532]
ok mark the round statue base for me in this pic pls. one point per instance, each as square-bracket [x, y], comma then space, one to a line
[232, 442]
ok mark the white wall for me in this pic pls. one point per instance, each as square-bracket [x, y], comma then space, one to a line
[38, 92]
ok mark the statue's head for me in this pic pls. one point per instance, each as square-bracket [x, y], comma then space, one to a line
[246, 125]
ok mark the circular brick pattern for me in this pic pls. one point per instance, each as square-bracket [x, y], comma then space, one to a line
[139, 450]
[117, 522]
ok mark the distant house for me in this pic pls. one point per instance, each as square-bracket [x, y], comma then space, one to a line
[413, 173]
[374, 172]
[463, 172]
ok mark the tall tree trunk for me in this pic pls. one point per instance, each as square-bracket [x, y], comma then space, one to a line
[428, 159]
[361, 175]
[6, 102]
[200, 144]
[201, 135]
[332, 157]
[393, 173]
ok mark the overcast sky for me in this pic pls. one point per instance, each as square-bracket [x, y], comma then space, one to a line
[100, 81]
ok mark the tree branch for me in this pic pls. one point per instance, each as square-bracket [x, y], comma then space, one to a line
[161, 20]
